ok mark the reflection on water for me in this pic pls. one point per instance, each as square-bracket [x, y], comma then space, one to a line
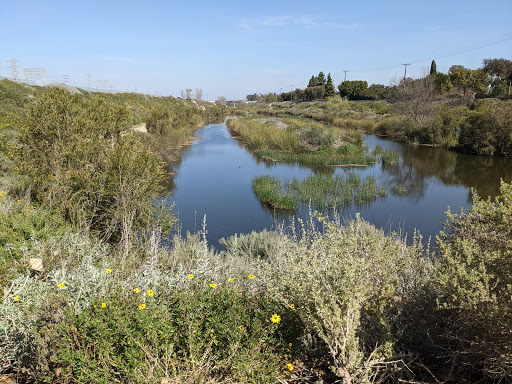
[214, 176]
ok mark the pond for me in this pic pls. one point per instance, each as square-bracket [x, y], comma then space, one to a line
[215, 173]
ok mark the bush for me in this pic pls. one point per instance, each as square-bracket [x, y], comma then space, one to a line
[21, 222]
[487, 130]
[341, 284]
[197, 334]
[86, 165]
[475, 288]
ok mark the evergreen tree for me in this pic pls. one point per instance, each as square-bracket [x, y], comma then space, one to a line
[321, 78]
[329, 87]
[313, 82]
[433, 68]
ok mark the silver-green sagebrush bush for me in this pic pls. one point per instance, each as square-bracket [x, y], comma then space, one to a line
[335, 279]
[474, 284]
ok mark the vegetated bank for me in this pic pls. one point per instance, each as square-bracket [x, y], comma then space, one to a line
[480, 127]
[469, 110]
[108, 302]
[303, 141]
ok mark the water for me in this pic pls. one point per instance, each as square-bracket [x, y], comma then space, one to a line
[215, 173]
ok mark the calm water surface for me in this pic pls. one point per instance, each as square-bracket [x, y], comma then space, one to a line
[215, 173]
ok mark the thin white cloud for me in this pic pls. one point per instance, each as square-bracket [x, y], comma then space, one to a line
[245, 25]
[119, 58]
[308, 22]
[281, 21]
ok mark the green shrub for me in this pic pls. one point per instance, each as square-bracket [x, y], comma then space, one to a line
[85, 165]
[487, 130]
[21, 222]
[475, 288]
[196, 334]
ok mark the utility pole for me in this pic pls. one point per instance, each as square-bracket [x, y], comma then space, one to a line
[291, 93]
[345, 74]
[14, 69]
[405, 74]
[89, 81]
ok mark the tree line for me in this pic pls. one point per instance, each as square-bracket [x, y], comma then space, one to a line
[493, 79]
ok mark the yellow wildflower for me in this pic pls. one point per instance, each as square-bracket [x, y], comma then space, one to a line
[213, 285]
[150, 293]
[16, 298]
[108, 270]
[241, 327]
[141, 307]
[103, 305]
[290, 366]
[230, 280]
[191, 276]
[251, 276]
[136, 290]
[61, 285]
[275, 318]
[292, 306]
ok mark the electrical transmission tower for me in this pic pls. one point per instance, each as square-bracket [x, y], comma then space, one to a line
[14, 69]
[345, 74]
[34, 74]
[66, 79]
[89, 81]
[103, 85]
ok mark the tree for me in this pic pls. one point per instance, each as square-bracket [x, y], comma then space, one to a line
[188, 94]
[221, 100]
[270, 97]
[352, 88]
[321, 78]
[416, 98]
[299, 94]
[468, 79]
[443, 83]
[433, 68]
[199, 95]
[253, 97]
[479, 80]
[460, 77]
[500, 71]
[313, 82]
[329, 87]
[380, 90]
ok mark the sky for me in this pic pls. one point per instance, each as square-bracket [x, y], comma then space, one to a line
[236, 48]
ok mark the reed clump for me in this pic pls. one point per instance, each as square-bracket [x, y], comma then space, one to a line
[322, 191]
[269, 191]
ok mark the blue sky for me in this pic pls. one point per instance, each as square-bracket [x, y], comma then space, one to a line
[231, 49]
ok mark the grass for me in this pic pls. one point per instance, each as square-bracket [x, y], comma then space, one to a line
[269, 191]
[321, 190]
[399, 190]
[386, 156]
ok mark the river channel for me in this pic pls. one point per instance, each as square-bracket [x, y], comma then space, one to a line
[214, 176]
